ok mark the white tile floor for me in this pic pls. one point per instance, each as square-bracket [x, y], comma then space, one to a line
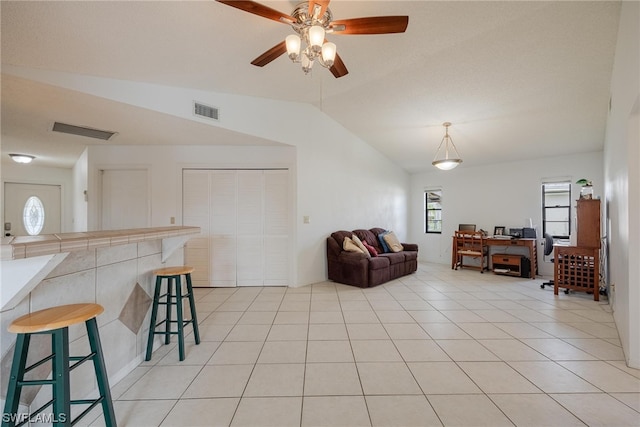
[439, 347]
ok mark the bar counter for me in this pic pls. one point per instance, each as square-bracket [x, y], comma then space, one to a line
[110, 268]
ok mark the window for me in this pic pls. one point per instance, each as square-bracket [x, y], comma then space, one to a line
[33, 216]
[433, 211]
[556, 209]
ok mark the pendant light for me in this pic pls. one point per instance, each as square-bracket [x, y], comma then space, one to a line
[449, 161]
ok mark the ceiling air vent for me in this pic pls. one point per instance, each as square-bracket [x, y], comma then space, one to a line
[105, 135]
[205, 111]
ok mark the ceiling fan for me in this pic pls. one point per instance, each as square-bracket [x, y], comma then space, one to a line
[311, 21]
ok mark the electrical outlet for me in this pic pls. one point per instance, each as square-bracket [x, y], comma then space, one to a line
[172, 220]
[306, 219]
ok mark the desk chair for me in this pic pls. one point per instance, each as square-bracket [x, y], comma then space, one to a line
[466, 227]
[548, 248]
[471, 244]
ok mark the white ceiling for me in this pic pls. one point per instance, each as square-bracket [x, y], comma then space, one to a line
[518, 80]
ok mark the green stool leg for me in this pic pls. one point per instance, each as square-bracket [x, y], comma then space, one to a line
[101, 373]
[154, 318]
[180, 320]
[192, 305]
[167, 334]
[60, 375]
[12, 401]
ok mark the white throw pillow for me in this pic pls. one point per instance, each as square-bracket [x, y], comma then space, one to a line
[359, 244]
[349, 246]
[393, 242]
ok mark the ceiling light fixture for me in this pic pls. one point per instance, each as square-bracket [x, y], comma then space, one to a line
[22, 158]
[447, 163]
[311, 30]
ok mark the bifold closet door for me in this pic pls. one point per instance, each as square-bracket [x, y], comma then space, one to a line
[244, 219]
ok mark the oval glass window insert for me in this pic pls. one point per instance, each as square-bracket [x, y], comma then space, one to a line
[33, 216]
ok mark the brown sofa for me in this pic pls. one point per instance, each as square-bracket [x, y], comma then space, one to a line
[358, 269]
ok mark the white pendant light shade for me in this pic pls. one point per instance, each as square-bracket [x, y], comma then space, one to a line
[316, 37]
[293, 46]
[328, 53]
[449, 161]
[446, 164]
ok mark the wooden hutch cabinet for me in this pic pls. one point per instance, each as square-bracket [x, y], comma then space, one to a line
[578, 267]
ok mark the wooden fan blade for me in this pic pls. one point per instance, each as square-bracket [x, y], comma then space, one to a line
[338, 69]
[270, 55]
[260, 10]
[373, 25]
[323, 6]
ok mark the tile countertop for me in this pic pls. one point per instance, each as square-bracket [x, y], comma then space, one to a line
[19, 247]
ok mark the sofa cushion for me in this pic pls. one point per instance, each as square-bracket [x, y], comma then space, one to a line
[383, 243]
[372, 251]
[340, 235]
[392, 241]
[379, 263]
[393, 257]
[410, 255]
[359, 244]
[349, 246]
[367, 236]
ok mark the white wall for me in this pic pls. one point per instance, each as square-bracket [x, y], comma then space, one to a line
[507, 194]
[622, 183]
[32, 174]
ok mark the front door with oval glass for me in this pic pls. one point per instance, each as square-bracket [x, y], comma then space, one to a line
[31, 209]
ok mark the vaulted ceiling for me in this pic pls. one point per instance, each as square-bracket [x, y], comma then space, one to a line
[518, 80]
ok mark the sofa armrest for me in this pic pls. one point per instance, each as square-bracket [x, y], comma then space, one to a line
[410, 246]
[353, 258]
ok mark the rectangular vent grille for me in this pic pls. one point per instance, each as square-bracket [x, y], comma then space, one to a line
[82, 131]
[205, 111]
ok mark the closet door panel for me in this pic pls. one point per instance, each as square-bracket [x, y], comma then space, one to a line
[276, 261]
[223, 261]
[276, 220]
[250, 227]
[195, 208]
[223, 224]
[276, 215]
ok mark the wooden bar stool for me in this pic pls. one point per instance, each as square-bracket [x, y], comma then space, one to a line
[56, 321]
[169, 299]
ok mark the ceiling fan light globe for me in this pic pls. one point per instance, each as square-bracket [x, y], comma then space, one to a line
[316, 37]
[293, 46]
[307, 63]
[328, 53]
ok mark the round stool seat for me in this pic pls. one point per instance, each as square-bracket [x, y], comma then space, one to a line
[55, 318]
[173, 271]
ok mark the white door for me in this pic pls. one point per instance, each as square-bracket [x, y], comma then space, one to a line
[47, 220]
[124, 199]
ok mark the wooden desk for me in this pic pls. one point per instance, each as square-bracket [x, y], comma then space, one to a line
[530, 244]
